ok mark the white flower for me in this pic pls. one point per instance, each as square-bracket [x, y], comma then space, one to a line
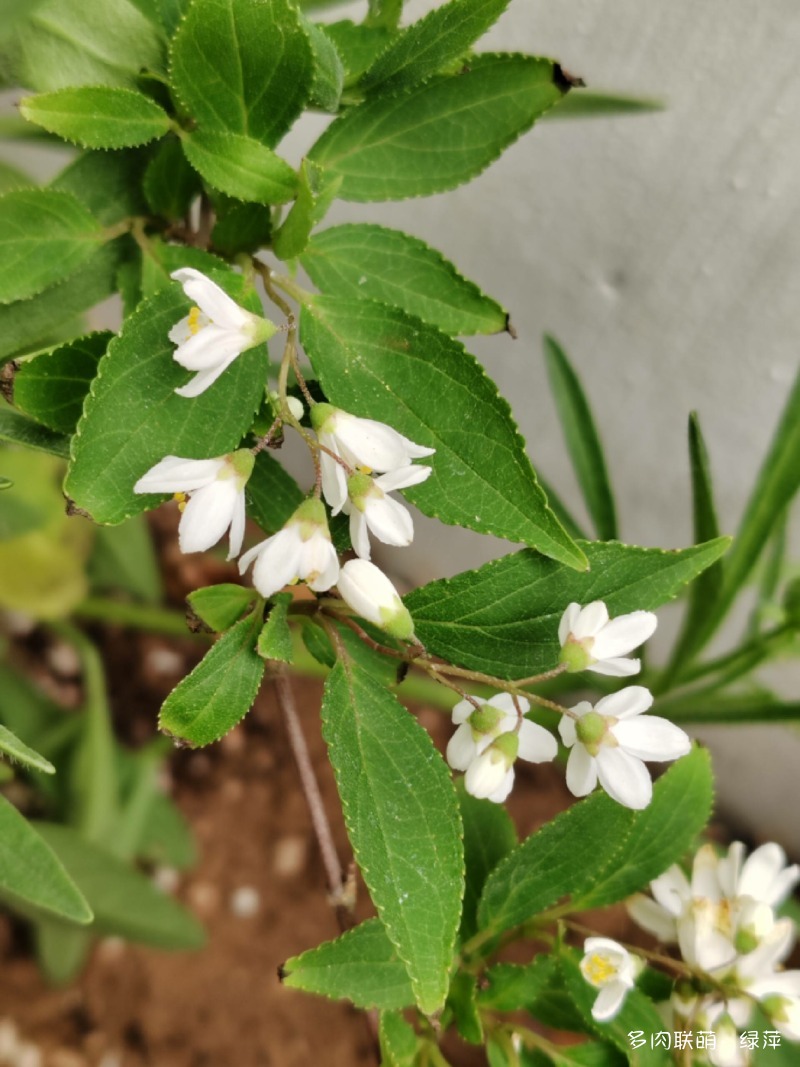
[301, 551]
[482, 744]
[592, 642]
[372, 596]
[610, 742]
[216, 496]
[214, 332]
[610, 968]
[370, 509]
[762, 877]
[363, 444]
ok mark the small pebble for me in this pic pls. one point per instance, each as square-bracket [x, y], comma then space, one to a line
[289, 857]
[245, 902]
[204, 898]
[28, 1056]
[164, 661]
[111, 949]
[63, 660]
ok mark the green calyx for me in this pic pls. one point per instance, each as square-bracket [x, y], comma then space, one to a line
[591, 729]
[485, 721]
[776, 1007]
[312, 518]
[397, 622]
[321, 414]
[359, 487]
[262, 329]
[242, 461]
[575, 656]
[746, 940]
[507, 746]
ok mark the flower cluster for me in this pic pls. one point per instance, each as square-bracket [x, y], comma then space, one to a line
[725, 923]
[609, 741]
[211, 491]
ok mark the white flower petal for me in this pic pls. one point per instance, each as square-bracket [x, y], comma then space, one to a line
[207, 516]
[591, 620]
[566, 727]
[625, 704]
[652, 917]
[334, 478]
[237, 526]
[536, 745]
[504, 789]
[374, 444]
[705, 880]
[485, 775]
[762, 869]
[277, 561]
[403, 477]
[211, 299]
[652, 738]
[581, 771]
[328, 576]
[624, 777]
[367, 590]
[359, 534]
[389, 521]
[729, 869]
[204, 379]
[623, 634]
[672, 890]
[568, 622]
[609, 1001]
[207, 348]
[616, 668]
[505, 702]
[461, 748]
[463, 709]
[173, 474]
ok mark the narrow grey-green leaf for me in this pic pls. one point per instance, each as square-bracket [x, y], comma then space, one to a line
[72, 42]
[31, 874]
[125, 903]
[240, 166]
[564, 858]
[243, 66]
[220, 606]
[441, 133]
[44, 237]
[14, 749]
[219, 692]
[489, 836]
[442, 36]
[53, 386]
[28, 325]
[133, 418]
[662, 833]
[20, 430]
[96, 116]
[503, 617]
[372, 262]
[272, 494]
[315, 194]
[275, 639]
[326, 88]
[402, 817]
[583, 441]
[376, 361]
[361, 966]
[777, 483]
[358, 45]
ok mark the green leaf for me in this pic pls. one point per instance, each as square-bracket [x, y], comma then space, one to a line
[583, 441]
[390, 147]
[442, 36]
[72, 42]
[124, 558]
[20, 430]
[241, 228]
[27, 325]
[125, 903]
[565, 858]
[44, 237]
[489, 836]
[398, 1041]
[358, 45]
[159, 260]
[243, 66]
[219, 692]
[361, 966]
[326, 89]
[272, 495]
[53, 386]
[777, 483]
[402, 817]
[503, 617]
[316, 192]
[275, 639]
[170, 183]
[384, 13]
[15, 750]
[586, 1054]
[220, 606]
[109, 184]
[133, 418]
[18, 515]
[31, 875]
[364, 261]
[375, 361]
[13, 178]
[510, 987]
[637, 1013]
[166, 837]
[171, 12]
[240, 166]
[61, 950]
[98, 116]
[661, 834]
[461, 1001]
[588, 104]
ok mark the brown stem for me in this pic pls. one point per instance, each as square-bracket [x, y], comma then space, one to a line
[266, 440]
[370, 641]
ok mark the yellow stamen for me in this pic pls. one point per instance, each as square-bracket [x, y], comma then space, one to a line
[182, 500]
[194, 321]
[598, 970]
[365, 470]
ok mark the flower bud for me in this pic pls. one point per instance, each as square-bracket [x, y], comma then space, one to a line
[371, 595]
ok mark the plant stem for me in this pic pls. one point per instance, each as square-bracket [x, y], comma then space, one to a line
[138, 616]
